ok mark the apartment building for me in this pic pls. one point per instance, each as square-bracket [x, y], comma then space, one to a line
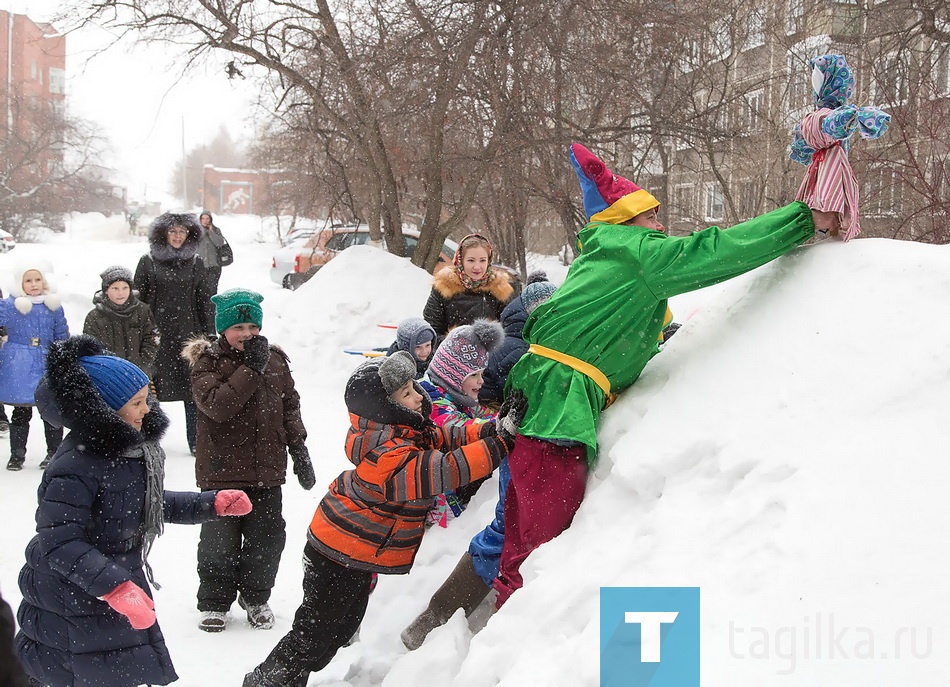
[32, 98]
[746, 83]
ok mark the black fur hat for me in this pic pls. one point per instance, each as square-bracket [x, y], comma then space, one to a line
[67, 397]
[161, 250]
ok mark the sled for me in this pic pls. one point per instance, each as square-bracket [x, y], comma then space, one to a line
[365, 351]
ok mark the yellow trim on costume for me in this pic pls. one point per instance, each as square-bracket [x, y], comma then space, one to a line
[599, 378]
[627, 207]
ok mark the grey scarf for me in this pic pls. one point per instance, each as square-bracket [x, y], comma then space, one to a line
[154, 523]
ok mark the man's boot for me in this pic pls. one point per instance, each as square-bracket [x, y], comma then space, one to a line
[18, 436]
[462, 589]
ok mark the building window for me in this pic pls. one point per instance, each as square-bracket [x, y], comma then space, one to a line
[847, 18]
[683, 200]
[714, 202]
[891, 80]
[34, 70]
[720, 41]
[755, 28]
[884, 197]
[941, 73]
[749, 191]
[799, 83]
[751, 111]
[794, 16]
[57, 80]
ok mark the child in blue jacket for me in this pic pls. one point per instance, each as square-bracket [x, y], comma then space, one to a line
[33, 318]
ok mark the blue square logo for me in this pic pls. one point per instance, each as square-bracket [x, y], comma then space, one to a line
[649, 637]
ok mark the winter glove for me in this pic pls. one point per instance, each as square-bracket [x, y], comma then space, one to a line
[303, 468]
[256, 353]
[229, 502]
[511, 414]
[129, 600]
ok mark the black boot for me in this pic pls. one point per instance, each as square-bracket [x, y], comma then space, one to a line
[274, 673]
[19, 433]
[54, 437]
[462, 589]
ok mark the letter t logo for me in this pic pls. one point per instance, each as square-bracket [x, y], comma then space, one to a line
[650, 624]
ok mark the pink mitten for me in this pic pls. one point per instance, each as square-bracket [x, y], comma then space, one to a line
[232, 502]
[129, 600]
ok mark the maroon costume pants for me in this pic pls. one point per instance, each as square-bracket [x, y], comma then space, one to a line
[546, 489]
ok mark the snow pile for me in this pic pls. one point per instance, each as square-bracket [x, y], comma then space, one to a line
[343, 304]
[786, 453]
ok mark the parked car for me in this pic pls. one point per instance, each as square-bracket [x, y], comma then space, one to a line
[7, 242]
[296, 262]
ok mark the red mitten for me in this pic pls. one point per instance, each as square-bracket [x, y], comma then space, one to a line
[232, 502]
[129, 600]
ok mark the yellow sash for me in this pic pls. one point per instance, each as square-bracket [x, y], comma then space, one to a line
[599, 378]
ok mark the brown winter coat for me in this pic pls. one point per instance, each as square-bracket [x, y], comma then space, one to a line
[451, 304]
[246, 419]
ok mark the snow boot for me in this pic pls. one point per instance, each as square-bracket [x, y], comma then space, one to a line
[260, 616]
[274, 673]
[54, 437]
[213, 621]
[462, 589]
[18, 436]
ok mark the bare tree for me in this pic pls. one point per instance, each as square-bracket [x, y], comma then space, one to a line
[49, 165]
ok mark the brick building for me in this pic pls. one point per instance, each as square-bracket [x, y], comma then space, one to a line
[241, 191]
[32, 95]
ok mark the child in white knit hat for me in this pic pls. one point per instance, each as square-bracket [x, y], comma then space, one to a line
[33, 318]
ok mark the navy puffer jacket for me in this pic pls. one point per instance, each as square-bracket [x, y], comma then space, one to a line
[512, 348]
[90, 536]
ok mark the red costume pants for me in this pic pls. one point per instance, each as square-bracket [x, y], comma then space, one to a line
[546, 489]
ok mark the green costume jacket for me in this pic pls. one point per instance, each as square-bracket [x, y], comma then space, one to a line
[609, 311]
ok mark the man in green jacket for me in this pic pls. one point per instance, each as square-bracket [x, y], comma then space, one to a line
[593, 338]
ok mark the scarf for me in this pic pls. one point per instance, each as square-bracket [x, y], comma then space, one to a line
[123, 311]
[466, 280]
[154, 521]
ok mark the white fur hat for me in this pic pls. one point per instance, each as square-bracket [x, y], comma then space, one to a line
[22, 302]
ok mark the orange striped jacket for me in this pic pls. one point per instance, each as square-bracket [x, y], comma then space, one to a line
[373, 516]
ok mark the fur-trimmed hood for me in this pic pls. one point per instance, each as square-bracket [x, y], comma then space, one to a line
[66, 397]
[448, 284]
[197, 346]
[49, 297]
[158, 246]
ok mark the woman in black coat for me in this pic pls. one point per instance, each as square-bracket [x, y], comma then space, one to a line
[87, 618]
[174, 283]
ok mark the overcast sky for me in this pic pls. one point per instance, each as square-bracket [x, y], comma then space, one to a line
[141, 100]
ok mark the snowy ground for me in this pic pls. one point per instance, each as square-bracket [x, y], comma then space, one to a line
[787, 453]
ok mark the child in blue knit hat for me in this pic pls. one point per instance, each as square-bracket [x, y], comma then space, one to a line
[248, 419]
[87, 615]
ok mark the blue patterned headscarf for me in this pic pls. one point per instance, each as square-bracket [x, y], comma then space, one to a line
[832, 81]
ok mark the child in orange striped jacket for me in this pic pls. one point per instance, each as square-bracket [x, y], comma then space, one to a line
[373, 517]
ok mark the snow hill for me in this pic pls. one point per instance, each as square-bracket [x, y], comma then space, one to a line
[786, 453]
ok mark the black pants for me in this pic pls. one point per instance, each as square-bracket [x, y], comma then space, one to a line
[333, 606]
[20, 432]
[191, 424]
[240, 555]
